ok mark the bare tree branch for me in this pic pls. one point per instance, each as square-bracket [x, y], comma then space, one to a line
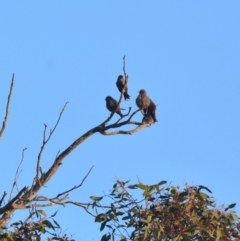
[117, 124]
[8, 206]
[17, 175]
[26, 197]
[133, 114]
[75, 187]
[7, 108]
[124, 69]
[45, 141]
[3, 196]
[42, 198]
[129, 110]
[130, 132]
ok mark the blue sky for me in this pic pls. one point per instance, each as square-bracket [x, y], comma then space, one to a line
[186, 55]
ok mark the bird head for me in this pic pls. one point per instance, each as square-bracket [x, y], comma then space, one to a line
[108, 98]
[120, 77]
[142, 92]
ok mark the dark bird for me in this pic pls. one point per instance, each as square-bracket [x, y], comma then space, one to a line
[148, 108]
[143, 101]
[111, 105]
[152, 110]
[123, 89]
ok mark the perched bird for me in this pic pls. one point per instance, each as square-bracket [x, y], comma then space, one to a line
[148, 108]
[111, 105]
[152, 110]
[143, 101]
[123, 89]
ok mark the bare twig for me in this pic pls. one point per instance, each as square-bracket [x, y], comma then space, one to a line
[117, 124]
[50, 204]
[124, 68]
[129, 110]
[128, 121]
[130, 132]
[16, 175]
[51, 131]
[53, 200]
[80, 204]
[40, 153]
[30, 216]
[56, 199]
[7, 108]
[45, 141]
[57, 154]
[133, 114]
[3, 196]
[75, 187]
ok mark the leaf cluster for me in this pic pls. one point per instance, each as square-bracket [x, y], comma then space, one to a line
[166, 213]
[37, 227]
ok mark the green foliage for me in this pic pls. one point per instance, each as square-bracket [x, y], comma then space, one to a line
[166, 213]
[35, 228]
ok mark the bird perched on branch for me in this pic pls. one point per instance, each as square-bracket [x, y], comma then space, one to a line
[146, 105]
[143, 101]
[111, 105]
[123, 89]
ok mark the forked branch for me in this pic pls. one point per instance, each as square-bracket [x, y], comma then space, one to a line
[17, 174]
[45, 141]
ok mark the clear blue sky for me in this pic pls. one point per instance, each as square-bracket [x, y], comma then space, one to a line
[186, 54]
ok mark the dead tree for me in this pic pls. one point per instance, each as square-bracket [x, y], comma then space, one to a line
[27, 197]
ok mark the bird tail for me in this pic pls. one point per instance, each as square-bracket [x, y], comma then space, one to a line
[122, 109]
[126, 96]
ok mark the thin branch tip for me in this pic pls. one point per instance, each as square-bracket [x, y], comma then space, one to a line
[7, 108]
[64, 106]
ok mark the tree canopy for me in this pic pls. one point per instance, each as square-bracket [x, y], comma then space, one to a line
[162, 212]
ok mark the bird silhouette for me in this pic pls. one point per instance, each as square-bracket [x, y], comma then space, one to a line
[143, 101]
[111, 105]
[146, 105]
[123, 89]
